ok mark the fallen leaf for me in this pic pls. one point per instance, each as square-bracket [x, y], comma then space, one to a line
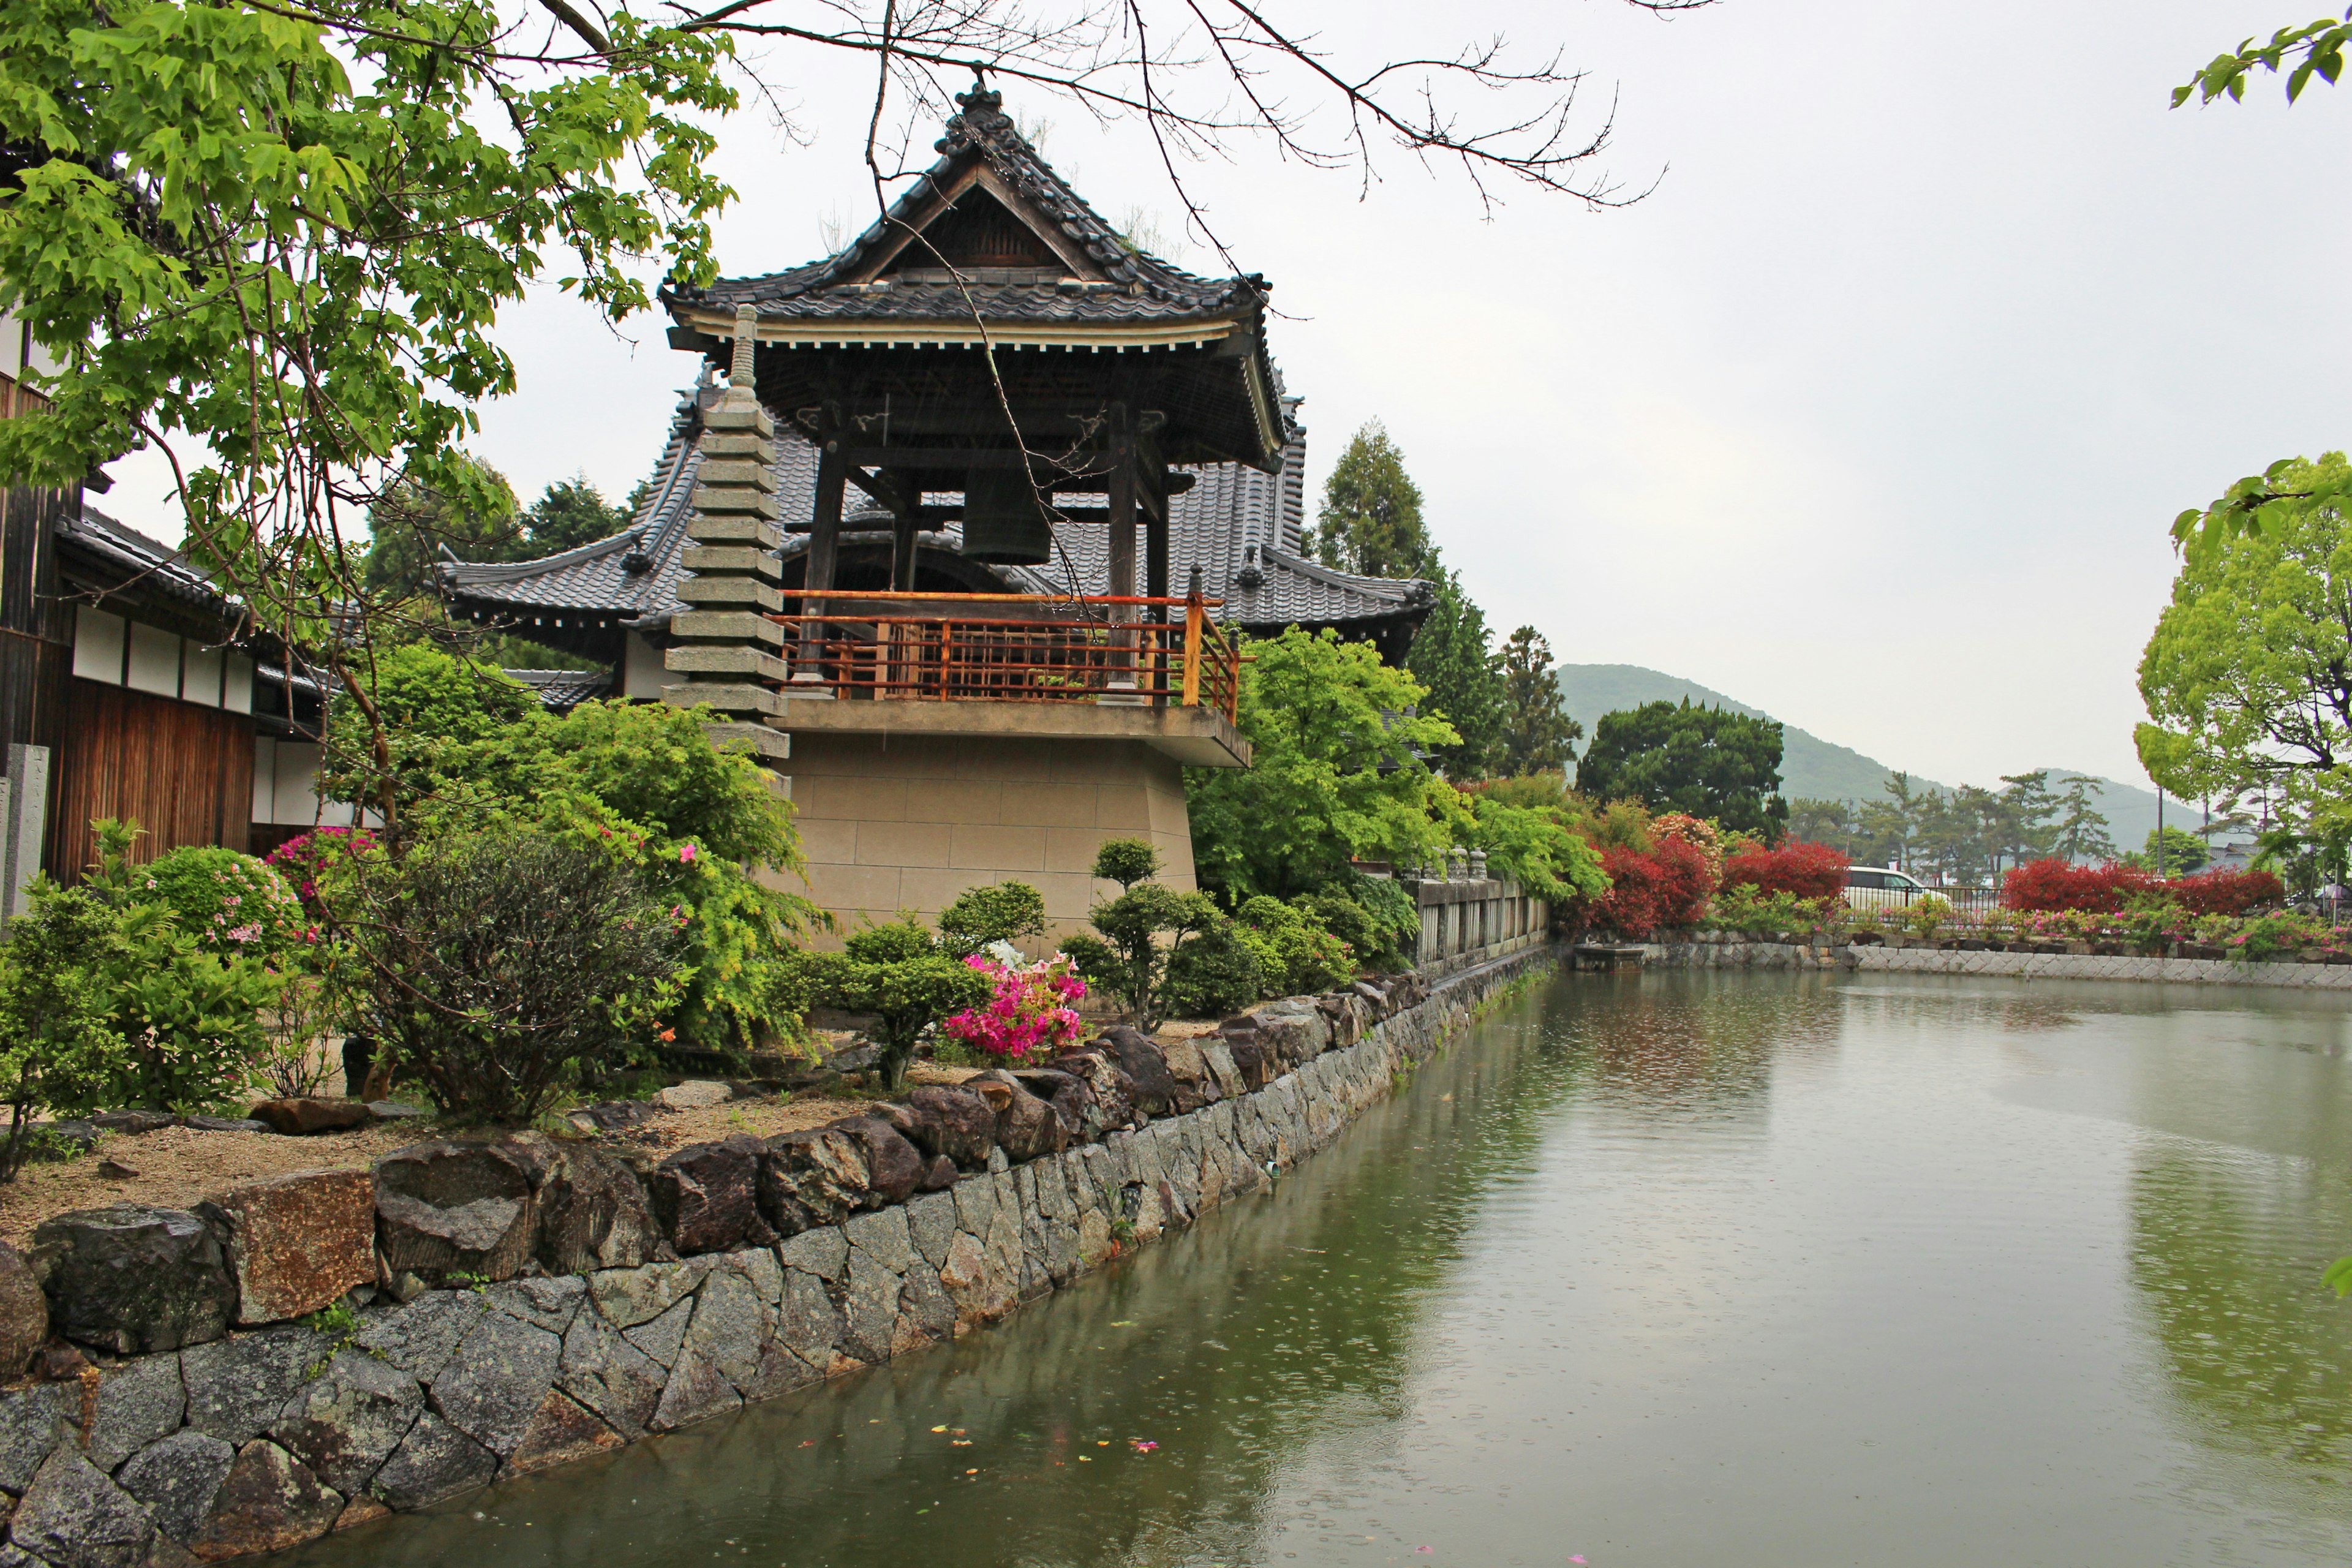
[939, 1428]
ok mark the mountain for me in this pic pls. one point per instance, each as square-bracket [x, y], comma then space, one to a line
[1815, 769]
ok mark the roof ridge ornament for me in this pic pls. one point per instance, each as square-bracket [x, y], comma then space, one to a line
[980, 117]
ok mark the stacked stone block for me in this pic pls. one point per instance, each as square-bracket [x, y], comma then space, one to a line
[729, 651]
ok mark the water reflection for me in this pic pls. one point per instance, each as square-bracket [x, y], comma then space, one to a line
[2226, 1251]
[1765, 1269]
[1279, 1318]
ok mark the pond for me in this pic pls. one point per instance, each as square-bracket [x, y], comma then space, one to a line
[1676, 1270]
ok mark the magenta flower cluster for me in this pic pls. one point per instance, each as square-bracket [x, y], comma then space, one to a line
[1031, 1016]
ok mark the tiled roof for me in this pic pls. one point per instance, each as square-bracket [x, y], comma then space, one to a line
[1139, 287]
[1239, 525]
[561, 690]
[143, 562]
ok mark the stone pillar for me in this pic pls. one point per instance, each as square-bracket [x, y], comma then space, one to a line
[728, 650]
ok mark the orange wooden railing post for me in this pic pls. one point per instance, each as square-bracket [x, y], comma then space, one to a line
[1196, 616]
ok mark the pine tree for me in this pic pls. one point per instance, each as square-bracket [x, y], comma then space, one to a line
[1538, 734]
[1370, 520]
[570, 513]
[1464, 677]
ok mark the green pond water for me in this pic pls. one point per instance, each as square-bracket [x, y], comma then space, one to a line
[1774, 1271]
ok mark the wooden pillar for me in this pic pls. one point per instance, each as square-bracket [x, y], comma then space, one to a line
[823, 551]
[1155, 545]
[1121, 486]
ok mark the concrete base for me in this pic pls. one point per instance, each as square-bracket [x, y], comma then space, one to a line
[907, 822]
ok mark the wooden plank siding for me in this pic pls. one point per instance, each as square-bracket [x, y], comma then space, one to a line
[183, 773]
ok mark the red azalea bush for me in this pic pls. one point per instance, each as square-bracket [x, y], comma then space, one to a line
[2225, 892]
[2056, 884]
[1686, 876]
[1801, 869]
[2053, 884]
[1668, 886]
[1630, 907]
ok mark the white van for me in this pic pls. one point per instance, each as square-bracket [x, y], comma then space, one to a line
[1868, 888]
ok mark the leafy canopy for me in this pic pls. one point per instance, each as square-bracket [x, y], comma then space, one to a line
[2243, 677]
[1709, 762]
[1337, 773]
[274, 241]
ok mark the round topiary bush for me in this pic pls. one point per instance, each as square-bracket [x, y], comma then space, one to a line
[230, 902]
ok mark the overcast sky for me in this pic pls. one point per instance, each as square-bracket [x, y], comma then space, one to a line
[1874, 415]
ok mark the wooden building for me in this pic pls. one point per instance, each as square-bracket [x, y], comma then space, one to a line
[131, 686]
[969, 521]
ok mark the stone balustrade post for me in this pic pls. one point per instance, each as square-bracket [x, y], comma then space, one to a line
[729, 653]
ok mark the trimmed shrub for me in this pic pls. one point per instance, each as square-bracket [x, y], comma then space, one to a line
[981, 917]
[1801, 870]
[503, 967]
[1215, 973]
[2225, 892]
[1635, 893]
[2055, 884]
[1298, 954]
[226, 902]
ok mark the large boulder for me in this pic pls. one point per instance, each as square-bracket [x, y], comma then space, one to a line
[1151, 1080]
[1253, 1058]
[706, 1196]
[1072, 1099]
[1193, 1083]
[139, 1401]
[955, 1123]
[812, 1178]
[593, 1214]
[447, 1207]
[496, 1383]
[268, 1501]
[134, 1279]
[24, 1314]
[1026, 1126]
[1110, 1102]
[296, 1242]
[560, 1432]
[307, 1116]
[893, 1169]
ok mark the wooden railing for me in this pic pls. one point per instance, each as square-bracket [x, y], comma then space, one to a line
[1082, 650]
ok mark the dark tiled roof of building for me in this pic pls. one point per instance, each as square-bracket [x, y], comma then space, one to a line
[1240, 526]
[141, 564]
[1137, 286]
[561, 690]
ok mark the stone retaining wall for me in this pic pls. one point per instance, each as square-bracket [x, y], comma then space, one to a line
[1719, 951]
[234, 1443]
